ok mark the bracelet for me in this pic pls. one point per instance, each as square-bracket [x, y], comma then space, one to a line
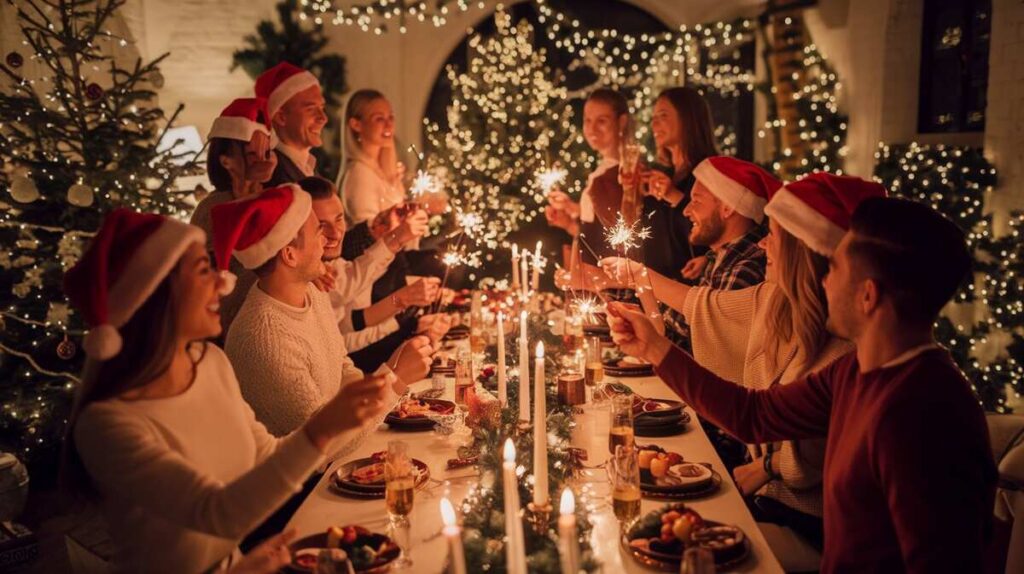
[397, 302]
[772, 475]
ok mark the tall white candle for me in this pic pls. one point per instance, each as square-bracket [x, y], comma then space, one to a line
[515, 267]
[535, 282]
[515, 548]
[451, 531]
[524, 371]
[568, 547]
[540, 433]
[502, 375]
[524, 272]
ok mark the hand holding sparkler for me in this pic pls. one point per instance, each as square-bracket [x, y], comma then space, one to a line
[550, 178]
[622, 270]
[635, 334]
[411, 361]
[418, 294]
[434, 325]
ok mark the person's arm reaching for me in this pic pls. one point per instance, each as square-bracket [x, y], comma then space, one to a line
[797, 410]
[669, 292]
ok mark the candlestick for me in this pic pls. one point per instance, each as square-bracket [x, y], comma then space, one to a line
[515, 268]
[515, 548]
[540, 433]
[535, 282]
[502, 375]
[451, 531]
[569, 549]
[524, 371]
[523, 272]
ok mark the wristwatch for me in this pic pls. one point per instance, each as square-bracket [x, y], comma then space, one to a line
[772, 475]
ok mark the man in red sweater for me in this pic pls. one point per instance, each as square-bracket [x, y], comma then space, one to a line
[909, 480]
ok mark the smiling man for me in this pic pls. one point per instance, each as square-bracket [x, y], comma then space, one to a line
[296, 106]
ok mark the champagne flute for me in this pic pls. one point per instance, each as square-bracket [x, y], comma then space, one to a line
[399, 493]
[593, 369]
[624, 475]
[621, 431]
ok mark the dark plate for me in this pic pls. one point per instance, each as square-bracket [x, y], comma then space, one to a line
[341, 484]
[415, 424]
[659, 431]
[681, 492]
[455, 336]
[382, 564]
[612, 368]
[650, 421]
[670, 562]
[666, 408]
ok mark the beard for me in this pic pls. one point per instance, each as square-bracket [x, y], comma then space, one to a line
[709, 231]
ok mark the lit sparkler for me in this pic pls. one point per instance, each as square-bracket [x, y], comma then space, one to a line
[624, 237]
[424, 182]
[471, 223]
[586, 307]
[546, 180]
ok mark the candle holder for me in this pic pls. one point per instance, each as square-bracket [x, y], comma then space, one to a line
[539, 517]
[523, 427]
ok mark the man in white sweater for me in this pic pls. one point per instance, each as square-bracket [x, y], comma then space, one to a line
[284, 344]
[371, 331]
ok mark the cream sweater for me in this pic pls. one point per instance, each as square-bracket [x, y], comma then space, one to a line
[183, 479]
[289, 360]
[366, 193]
[727, 330]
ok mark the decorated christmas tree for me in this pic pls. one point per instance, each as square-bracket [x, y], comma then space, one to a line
[510, 132]
[80, 134]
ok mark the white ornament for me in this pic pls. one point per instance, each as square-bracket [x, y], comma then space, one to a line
[80, 195]
[23, 189]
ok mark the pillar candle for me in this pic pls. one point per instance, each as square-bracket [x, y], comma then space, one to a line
[524, 371]
[515, 267]
[515, 547]
[452, 532]
[569, 549]
[540, 433]
[502, 375]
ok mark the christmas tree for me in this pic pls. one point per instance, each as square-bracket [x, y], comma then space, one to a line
[510, 132]
[301, 44]
[80, 134]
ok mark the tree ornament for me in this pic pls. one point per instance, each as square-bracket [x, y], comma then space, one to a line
[66, 349]
[80, 195]
[15, 60]
[23, 189]
[93, 91]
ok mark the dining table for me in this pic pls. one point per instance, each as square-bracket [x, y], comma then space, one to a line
[428, 548]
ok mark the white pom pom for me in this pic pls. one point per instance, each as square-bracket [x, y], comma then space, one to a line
[227, 282]
[102, 342]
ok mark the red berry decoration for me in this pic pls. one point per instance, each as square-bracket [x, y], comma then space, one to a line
[93, 91]
[15, 60]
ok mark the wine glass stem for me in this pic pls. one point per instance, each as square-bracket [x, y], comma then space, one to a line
[400, 528]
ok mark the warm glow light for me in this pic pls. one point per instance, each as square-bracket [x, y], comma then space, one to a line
[540, 350]
[448, 511]
[510, 451]
[568, 503]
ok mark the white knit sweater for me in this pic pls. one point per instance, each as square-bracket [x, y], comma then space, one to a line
[352, 290]
[289, 360]
[727, 330]
[183, 479]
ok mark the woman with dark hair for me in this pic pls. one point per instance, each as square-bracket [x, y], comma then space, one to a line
[684, 135]
[159, 434]
[239, 160]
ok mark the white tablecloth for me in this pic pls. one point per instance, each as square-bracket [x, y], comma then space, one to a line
[323, 508]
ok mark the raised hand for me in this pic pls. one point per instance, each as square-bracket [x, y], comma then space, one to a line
[414, 225]
[422, 293]
[411, 361]
[352, 406]
[635, 334]
[328, 280]
[434, 326]
[562, 202]
[621, 270]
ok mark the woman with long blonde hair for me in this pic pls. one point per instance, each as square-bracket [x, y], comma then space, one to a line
[771, 334]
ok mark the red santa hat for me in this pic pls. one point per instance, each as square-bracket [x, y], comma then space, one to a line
[280, 83]
[740, 184]
[242, 118]
[126, 261]
[254, 229]
[817, 209]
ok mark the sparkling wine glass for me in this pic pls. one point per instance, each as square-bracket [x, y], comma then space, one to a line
[621, 431]
[593, 368]
[399, 493]
[624, 476]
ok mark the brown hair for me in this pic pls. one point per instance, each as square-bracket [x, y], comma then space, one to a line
[219, 175]
[797, 308]
[696, 128]
[611, 98]
[149, 338]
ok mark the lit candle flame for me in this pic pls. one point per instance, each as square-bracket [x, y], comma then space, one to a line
[448, 512]
[540, 350]
[568, 504]
[509, 451]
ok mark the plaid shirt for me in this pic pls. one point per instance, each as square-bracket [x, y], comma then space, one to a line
[741, 265]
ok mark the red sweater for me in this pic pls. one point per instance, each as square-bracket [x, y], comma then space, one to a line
[909, 480]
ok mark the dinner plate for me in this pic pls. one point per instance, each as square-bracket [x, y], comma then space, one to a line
[657, 407]
[420, 423]
[666, 562]
[389, 552]
[659, 430]
[613, 367]
[682, 491]
[341, 482]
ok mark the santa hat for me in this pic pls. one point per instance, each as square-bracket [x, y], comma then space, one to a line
[740, 184]
[129, 257]
[280, 83]
[817, 208]
[242, 118]
[254, 229]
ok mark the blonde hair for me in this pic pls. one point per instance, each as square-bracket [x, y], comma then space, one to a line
[352, 150]
[797, 309]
